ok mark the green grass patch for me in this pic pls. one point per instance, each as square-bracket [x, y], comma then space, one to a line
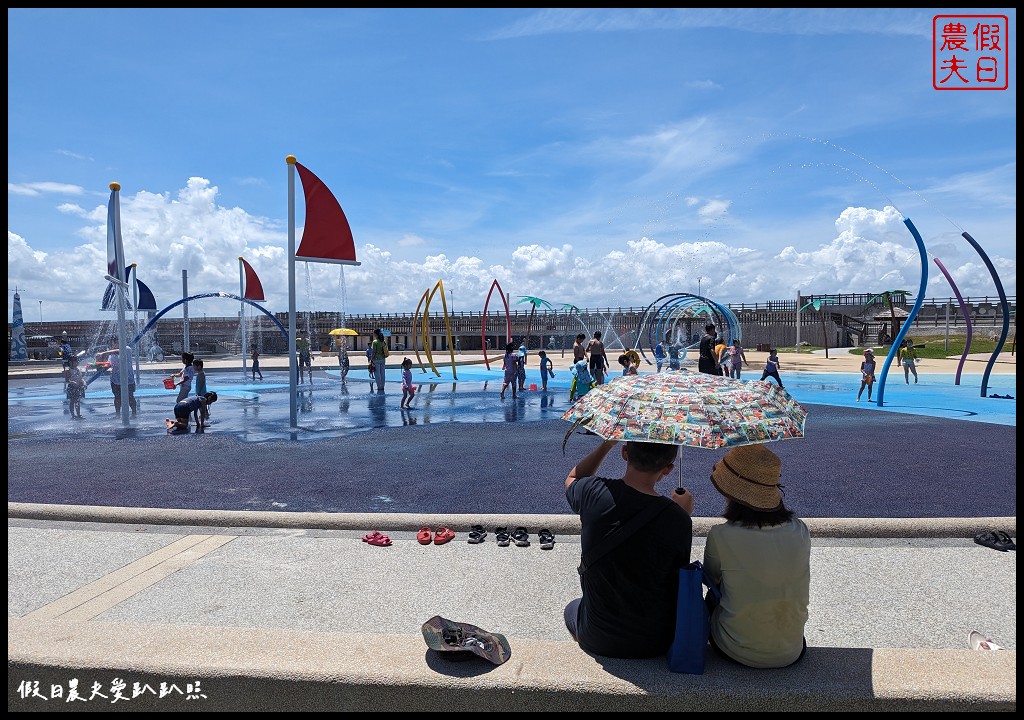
[928, 347]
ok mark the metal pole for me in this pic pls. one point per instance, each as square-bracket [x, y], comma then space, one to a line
[241, 308]
[184, 325]
[798, 321]
[123, 368]
[135, 316]
[293, 408]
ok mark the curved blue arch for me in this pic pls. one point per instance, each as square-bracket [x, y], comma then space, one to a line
[643, 323]
[655, 320]
[1002, 303]
[669, 312]
[663, 314]
[200, 296]
[898, 340]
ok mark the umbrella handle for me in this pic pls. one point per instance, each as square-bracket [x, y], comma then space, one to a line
[679, 467]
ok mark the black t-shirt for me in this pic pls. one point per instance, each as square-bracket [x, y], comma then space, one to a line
[629, 595]
[706, 362]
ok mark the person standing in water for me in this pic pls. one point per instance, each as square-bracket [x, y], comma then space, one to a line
[867, 373]
[343, 363]
[256, 364]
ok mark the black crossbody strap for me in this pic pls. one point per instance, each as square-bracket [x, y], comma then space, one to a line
[610, 542]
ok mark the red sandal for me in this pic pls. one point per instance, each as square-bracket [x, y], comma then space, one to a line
[443, 535]
[424, 536]
[380, 540]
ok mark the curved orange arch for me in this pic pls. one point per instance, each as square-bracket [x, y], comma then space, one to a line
[415, 317]
[483, 327]
[447, 325]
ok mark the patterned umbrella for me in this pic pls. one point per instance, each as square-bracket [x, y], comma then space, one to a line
[687, 408]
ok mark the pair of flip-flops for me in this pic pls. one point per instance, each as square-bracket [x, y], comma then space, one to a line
[440, 537]
[995, 539]
[377, 538]
[547, 539]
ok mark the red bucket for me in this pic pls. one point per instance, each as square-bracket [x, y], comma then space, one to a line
[169, 383]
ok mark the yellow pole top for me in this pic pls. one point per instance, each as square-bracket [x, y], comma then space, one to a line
[240, 257]
[290, 160]
[135, 264]
[115, 186]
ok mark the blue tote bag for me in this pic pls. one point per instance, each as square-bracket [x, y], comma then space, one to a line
[693, 621]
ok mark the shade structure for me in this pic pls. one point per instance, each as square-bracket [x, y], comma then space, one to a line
[690, 409]
[343, 331]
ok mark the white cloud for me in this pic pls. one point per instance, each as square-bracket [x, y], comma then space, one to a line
[813, 21]
[165, 233]
[44, 188]
[408, 241]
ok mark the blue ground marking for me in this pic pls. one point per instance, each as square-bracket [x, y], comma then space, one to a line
[259, 411]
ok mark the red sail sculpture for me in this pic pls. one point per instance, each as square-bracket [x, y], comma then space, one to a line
[253, 286]
[326, 236]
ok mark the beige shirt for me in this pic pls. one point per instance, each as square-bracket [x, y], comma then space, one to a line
[765, 578]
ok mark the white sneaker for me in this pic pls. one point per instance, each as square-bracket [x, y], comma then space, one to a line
[977, 641]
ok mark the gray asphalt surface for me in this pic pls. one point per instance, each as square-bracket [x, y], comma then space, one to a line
[852, 463]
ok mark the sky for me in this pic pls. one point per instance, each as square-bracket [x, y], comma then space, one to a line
[592, 157]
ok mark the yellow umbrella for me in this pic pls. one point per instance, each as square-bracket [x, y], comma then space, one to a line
[343, 331]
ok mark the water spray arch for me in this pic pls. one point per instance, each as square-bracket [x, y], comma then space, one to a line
[200, 296]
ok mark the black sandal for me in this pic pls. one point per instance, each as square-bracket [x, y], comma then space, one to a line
[547, 539]
[502, 536]
[520, 537]
[477, 534]
[997, 540]
[1006, 540]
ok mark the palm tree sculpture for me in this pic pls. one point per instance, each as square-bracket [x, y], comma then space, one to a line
[819, 305]
[535, 302]
[886, 297]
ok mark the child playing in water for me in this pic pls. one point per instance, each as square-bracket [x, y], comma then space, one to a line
[628, 368]
[196, 406]
[185, 376]
[867, 373]
[771, 367]
[510, 364]
[408, 391]
[74, 386]
[582, 380]
[200, 379]
[546, 369]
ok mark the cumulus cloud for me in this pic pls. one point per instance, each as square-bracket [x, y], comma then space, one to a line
[166, 233]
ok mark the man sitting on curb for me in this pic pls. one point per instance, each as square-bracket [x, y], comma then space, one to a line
[628, 608]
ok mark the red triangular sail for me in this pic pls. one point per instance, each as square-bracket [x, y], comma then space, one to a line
[253, 286]
[326, 236]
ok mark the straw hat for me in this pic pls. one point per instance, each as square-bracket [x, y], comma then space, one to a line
[750, 474]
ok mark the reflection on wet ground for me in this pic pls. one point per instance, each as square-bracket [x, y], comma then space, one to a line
[258, 412]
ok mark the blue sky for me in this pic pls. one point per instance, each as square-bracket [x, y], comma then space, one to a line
[597, 157]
